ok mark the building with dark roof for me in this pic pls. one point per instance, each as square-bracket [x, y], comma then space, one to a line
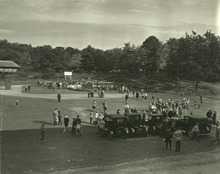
[8, 66]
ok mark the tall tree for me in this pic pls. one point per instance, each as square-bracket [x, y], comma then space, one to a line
[149, 53]
[88, 59]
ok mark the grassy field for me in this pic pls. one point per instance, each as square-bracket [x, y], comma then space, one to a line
[22, 151]
[38, 90]
[34, 109]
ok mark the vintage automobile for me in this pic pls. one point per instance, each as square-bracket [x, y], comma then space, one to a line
[74, 87]
[136, 125]
[115, 125]
[131, 125]
[188, 122]
[155, 123]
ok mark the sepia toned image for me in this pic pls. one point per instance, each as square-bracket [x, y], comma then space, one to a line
[109, 86]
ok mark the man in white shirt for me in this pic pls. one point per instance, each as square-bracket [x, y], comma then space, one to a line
[195, 132]
[217, 134]
[55, 116]
[126, 107]
[66, 123]
[178, 135]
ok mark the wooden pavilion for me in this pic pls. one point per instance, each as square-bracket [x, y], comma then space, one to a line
[7, 67]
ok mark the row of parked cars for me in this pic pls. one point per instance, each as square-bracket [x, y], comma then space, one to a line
[135, 125]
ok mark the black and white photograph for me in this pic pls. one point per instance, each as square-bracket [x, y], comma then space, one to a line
[109, 86]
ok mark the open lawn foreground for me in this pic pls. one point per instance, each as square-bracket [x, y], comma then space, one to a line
[23, 153]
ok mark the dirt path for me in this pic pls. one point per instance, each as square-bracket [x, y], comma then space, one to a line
[16, 91]
[198, 163]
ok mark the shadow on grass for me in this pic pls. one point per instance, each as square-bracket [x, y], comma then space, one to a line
[42, 122]
[23, 152]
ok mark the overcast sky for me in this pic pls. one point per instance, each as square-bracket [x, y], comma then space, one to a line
[104, 23]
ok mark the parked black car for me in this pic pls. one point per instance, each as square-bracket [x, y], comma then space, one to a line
[114, 125]
[188, 122]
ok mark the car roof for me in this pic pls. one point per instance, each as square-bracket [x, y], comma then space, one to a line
[113, 116]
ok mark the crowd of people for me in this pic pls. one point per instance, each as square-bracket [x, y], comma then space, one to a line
[58, 84]
[76, 84]
[169, 108]
[26, 88]
[100, 93]
[64, 120]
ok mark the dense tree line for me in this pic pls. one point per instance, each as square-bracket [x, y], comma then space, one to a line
[192, 57]
[44, 60]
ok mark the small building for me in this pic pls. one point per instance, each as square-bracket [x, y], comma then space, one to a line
[7, 67]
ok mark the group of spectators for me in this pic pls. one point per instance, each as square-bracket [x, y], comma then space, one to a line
[171, 135]
[59, 84]
[27, 88]
[212, 116]
[95, 117]
[82, 83]
[177, 134]
[174, 108]
[168, 107]
[59, 119]
[100, 93]
[51, 84]
[63, 120]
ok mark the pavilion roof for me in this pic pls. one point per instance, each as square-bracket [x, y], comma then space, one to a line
[8, 64]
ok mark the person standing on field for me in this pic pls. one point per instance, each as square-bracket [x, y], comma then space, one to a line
[217, 134]
[66, 123]
[195, 132]
[168, 139]
[104, 106]
[59, 98]
[201, 99]
[91, 118]
[214, 117]
[94, 104]
[42, 132]
[59, 118]
[74, 126]
[78, 126]
[126, 97]
[17, 102]
[55, 116]
[178, 136]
